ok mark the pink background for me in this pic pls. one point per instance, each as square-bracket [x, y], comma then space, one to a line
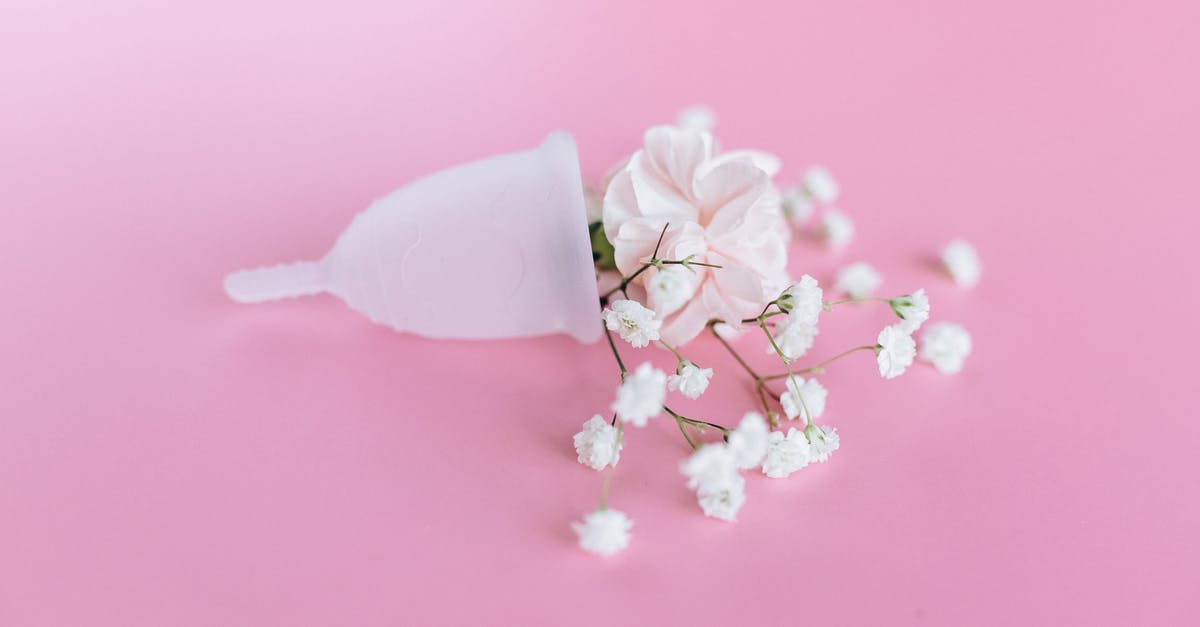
[170, 458]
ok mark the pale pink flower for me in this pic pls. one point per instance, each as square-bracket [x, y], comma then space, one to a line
[721, 209]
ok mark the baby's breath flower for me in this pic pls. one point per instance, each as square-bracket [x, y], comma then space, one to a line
[823, 441]
[962, 262]
[723, 501]
[803, 300]
[797, 204]
[696, 118]
[691, 380]
[668, 290]
[599, 444]
[641, 395]
[896, 351]
[786, 453]
[858, 280]
[635, 323]
[748, 442]
[793, 337]
[801, 395]
[913, 310]
[837, 228]
[713, 472]
[711, 465]
[945, 345]
[604, 532]
[820, 184]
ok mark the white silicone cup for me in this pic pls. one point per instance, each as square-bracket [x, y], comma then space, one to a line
[497, 248]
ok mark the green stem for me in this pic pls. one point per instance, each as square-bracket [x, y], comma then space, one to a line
[818, 368]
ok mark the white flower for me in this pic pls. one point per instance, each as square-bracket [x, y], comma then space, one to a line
[797, 204]
[962, 262]
[599, 444]
[748, 442]
[668, 290]
[641, 395]
[822, 441]
[717, 208]
[711, 466]
[793, 337]
[837, 228]
[801, 395]
[786, 454]
[696, 118]
[636, 324]
[896, 351]
[913, 310]
[858, 280]
[604, 532]
[821, 185]
[723, 501]
[691, 380]
[945, 345]
[803, 300]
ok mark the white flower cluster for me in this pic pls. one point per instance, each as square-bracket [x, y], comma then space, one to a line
[689, 379]
[803, 302]
[635, 323]
[599, 444]
[641, 395]
[713, 470]
[788, 453]
[604, 532]
[666, 258]
[858, 280]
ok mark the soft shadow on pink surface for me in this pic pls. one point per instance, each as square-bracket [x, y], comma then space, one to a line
[170, 458]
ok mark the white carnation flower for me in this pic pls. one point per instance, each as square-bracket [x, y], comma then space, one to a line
[748, 442]
[635, 323]
[641, 395]
[797, 204]
[821, 185]
[723, 501]
[599, 444]
[913, 310]
[604, 532]
[896, 351]
[945, 345]
[668, 290]
[962, 262]
[803, 300]
[858, 280]
[837, 228]
[691, 380]
[793, 337]
[822, 441]
[786, 454]
[801, 395]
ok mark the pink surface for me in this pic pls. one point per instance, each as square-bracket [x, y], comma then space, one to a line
[170, 458]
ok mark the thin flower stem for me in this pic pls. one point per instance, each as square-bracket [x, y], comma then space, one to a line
[654, 262]
[764, 315]
[695, 423]
[787, 363]
[759, 384]
[615, 352]
[818, 368]
[683, 430]
[712, 327]
[827, 305]
[673, 351]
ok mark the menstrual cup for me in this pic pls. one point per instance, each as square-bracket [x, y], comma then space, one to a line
[497, 248]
